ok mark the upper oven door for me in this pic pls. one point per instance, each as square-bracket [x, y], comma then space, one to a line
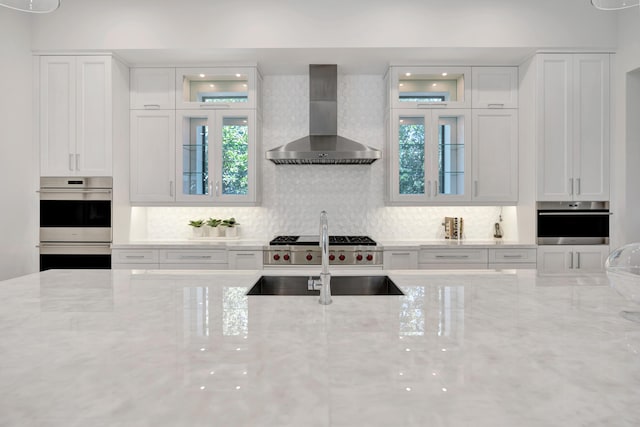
[573, 226]
[71, 214]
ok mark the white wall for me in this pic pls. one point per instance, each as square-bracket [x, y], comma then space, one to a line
[206, 24]
[18, 158]
[625, 192]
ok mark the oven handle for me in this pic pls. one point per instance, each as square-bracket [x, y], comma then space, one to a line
[573, 213]
[76, 191]
[74, 248]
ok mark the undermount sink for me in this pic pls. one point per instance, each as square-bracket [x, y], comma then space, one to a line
[340, 285]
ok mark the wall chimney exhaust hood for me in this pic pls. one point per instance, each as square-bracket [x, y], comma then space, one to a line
[323, 145]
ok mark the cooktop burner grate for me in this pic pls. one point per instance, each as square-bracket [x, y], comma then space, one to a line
[314, 240]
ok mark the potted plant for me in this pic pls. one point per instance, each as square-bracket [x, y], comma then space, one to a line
[198, 230]
[216, 230]
[231, 227]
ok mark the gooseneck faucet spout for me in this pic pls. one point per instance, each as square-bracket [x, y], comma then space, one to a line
[324, 282]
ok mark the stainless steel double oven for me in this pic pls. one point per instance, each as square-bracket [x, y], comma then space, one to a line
[573, 223]
[75, 222]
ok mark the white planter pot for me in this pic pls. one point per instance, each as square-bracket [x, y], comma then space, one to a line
[231, 231]
[198, 231]
[216, 231]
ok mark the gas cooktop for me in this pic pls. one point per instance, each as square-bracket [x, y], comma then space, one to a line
[315, 240]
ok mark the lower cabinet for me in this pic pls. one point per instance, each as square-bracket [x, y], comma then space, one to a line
[506, 258]
[245, 260]
[452, 258]
[170, 259]
[144, 259]
[400, 260]
[571, 259]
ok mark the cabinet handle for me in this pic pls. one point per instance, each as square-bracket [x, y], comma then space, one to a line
[70, 162]
[152, 106]
[571, 185]
[475, 188]
[217, 188]
[428, 189]
[435, 188]
[512, 256]
[578, 263]
[400, 253]
[432, 105]
[452, 256]
[134, 256]
[214, 105]
[171, 189]
[195, 256]
[244, 254]
[495, 105]
[571, 261]
[77, 161]
[578, 186]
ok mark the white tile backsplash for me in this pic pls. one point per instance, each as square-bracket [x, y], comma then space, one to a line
[294, 195]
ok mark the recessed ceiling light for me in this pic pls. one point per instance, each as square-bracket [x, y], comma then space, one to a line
[211, 85]
[444, 74]
[202, 75]
[407, 74]
[401, 84]
[435, 84]
[238, 75]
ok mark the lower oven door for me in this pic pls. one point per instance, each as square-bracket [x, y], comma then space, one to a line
[75, 256]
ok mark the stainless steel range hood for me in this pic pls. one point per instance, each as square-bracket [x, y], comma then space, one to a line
[323, 145]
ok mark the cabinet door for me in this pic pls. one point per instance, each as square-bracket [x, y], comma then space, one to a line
[152, 175]
[429, 153]
[245, 260]
[591, 127]
[234, 157]
[153, 88]
[57, 115]
[194, 147]
[430, 87]
[495, 87]
[554, 129]
[590, 258]
[216, 88]
[400, 260]
[94, 108]
[495, 156]
[555, 259]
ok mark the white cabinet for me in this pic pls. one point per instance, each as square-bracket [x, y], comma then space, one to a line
[559, 259]
[135, 259]
[76, 114]
[400, 259]
[494, 87]
[429, 152]
[495, 155]
[217, 88]
[456, 258]
[573, 135]
[153, 88]
[152, 143]
[512, 258]
[193, 259]
[216, 156]
[430, 87]
[245, 260]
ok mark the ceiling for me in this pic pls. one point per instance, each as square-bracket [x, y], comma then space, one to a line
[350, 60]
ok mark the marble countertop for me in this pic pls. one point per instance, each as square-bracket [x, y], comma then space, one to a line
[177, 348]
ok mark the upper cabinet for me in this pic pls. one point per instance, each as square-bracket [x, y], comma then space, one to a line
[428, 152]
[430, 87]
[494, 87]
[573, 127]
[208, 153]
[78, 97]
[217, 88]
[153, 89]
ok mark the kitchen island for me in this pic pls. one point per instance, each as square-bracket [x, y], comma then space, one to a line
[178, 348]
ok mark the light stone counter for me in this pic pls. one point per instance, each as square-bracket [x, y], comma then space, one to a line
[437, 244]
[171, 348]
[204, 243]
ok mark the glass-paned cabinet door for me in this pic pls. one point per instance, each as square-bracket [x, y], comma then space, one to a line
[235, 170]
[430, 87]
[194, 146]
[216, 88]
[428, 156]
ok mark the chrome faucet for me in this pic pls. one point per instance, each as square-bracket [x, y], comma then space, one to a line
[324, 284]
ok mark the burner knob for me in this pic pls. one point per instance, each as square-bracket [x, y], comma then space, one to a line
[309, 257]
[369, 257]
[332, 257]
[286, 257]
[341, 257]
[276, 257]
[359, 257]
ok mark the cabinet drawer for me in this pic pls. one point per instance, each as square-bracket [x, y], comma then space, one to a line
[189, 256]
[512, 256]
[245, 260]
[453, 256]
[134, 256]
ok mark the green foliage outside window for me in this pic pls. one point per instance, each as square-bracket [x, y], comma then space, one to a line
[411, 153]
[235, 159]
